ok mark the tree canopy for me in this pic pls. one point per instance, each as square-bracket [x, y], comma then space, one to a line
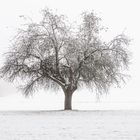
[53, 54]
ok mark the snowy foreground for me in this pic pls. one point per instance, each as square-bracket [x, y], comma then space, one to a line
[70, 125]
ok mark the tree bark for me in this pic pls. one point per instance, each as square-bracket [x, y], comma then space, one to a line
[68, 101]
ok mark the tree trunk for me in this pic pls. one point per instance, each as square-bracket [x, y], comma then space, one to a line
[68, 101]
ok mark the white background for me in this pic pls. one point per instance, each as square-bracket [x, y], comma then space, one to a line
[119, 15]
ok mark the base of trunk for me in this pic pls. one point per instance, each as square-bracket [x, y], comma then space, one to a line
[68, 101]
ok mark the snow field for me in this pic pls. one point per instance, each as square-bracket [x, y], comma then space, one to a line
[70, 125]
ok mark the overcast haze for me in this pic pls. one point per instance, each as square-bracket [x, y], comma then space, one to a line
[119, 16]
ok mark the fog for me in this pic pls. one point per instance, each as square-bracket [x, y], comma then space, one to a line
[119, 16]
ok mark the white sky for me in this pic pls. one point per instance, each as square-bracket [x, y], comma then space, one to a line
[119, 15]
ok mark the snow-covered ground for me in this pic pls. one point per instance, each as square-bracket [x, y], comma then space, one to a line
[70, 125]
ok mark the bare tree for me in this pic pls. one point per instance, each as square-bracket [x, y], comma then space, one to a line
[52, 54]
